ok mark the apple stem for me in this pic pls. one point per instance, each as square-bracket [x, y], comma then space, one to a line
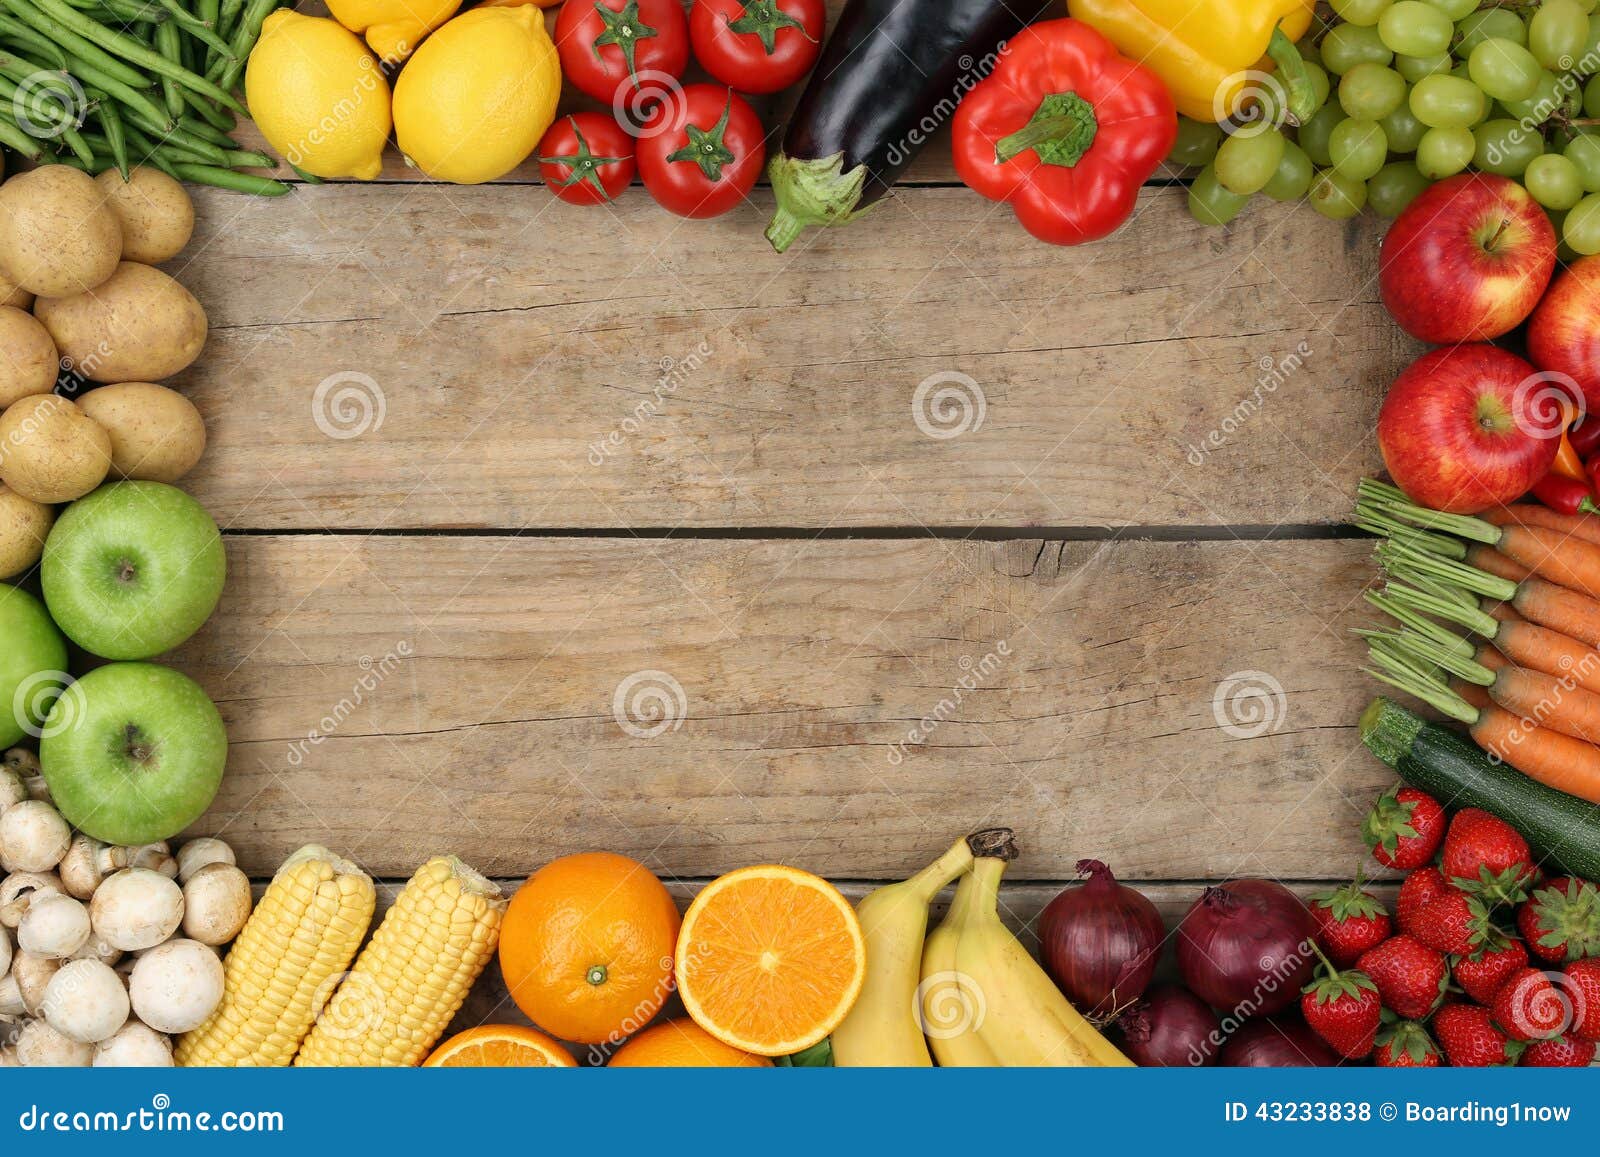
[1505, 223]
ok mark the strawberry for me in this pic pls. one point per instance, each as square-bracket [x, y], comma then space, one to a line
[1410, 976]
[1419, 887]
[1453, 922]
[1405, 1044]
[1529, 1006]
[1562, 1052]
[1344, 1009]
[1561, 920]
[1484, 854]
[1404, 828]
[1470, 1039]
[1583, 989]
[1482, 974]
[1349, 921]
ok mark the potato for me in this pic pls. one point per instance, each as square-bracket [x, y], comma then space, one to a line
[57, 234]
[155, 213]
[13, 294]
[51, 451]
[24, 524]
[156, 433]
[140, 326]
[27, 357]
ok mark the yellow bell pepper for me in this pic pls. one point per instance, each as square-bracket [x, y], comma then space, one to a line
[1205, 50]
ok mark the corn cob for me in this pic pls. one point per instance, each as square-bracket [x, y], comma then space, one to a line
[414, 975]
[285, 963]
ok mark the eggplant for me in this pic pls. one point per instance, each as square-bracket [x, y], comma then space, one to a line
[892, 72]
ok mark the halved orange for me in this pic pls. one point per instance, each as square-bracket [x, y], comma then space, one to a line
[500, 1046]
[682, 1044]
[770, 959]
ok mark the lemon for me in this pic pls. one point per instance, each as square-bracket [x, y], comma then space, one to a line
[474, 100]
[318, 96]
[393, 28]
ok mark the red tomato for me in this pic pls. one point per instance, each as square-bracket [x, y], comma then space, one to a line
[757, 45]
[586, 158]
[701, 151]
[605, 44]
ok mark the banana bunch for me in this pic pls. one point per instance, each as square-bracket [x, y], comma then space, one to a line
[969, 989]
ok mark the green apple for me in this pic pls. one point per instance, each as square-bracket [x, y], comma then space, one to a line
[133, 569]
[33, 664]
[133, 753]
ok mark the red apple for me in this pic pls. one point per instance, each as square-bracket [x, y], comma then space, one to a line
[1564, 332]
[1467, 260]
[1469, 427]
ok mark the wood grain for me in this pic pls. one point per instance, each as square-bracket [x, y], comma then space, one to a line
[547, 366]
[395, 697]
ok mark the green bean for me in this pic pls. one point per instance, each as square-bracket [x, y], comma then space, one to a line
[245, 37]
[75, 142]
[243, 159]
[220, 119]
[112, 87]
[228, 13]
[169, 42]
[18, 141]
[116, 142]
[132, 50]
[195, 28]
[174, 135]
[197, 127]
[228, 179]
[76, 45]
[308, 178]
[41, 45]
[149, 152]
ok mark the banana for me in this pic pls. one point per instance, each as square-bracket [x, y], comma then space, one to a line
[951, 1006]
[882, 1027]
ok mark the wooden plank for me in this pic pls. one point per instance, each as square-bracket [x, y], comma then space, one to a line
[526, 363]
[395, 697]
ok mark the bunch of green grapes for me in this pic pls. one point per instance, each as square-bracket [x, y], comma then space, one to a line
[1409, 92]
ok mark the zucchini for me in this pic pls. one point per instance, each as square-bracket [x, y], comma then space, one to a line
[1562, 830]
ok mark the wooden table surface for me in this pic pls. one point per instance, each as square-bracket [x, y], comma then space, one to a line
[556, 528]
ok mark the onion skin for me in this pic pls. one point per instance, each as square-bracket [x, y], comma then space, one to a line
[1245, 947]
[1100, 942]
[1170, 1028]
[1277, 1043]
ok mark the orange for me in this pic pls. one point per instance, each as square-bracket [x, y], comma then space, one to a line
[770, 959]
[500, 1046]
[682, 1044]
[586, 947]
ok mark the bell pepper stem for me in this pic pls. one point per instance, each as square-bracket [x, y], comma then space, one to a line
[1060, 131]
[1296, 80]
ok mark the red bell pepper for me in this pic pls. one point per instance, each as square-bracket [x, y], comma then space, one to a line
[1565, 495]
[1066, 130]
[1585, 436]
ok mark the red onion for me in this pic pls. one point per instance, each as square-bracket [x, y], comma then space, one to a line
[1284, 1042]
[1100, 942]
[1245, 947]
[1172, 1028]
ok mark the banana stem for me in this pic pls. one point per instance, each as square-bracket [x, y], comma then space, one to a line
[985, 877]
[929, 882]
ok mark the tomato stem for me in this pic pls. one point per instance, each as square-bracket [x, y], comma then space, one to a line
[762, 19]
[706, 147]
[624, 29]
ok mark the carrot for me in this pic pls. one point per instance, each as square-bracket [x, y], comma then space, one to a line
[1572, 614]
[1554, 759]
[1487, 558]
[1471, 692]
[1541, 649]
[1548, 701]
[1502, 612]
[1584, 526]
[1554, 555]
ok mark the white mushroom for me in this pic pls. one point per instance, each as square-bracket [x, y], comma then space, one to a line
[136, 909]
[54, 926]
[88, 862]
[22, 990]
[19, 890]
[25, 765]
[216, 903]
[8, 1058]
[176, 985]
[134, 1046]
[95, 948]
[33, 837]
[12, 789]
[5, 952]
[86, 1001]
[41, 1046]
[197, 854]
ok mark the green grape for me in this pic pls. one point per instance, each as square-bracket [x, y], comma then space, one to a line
[1553, 181]
[1403, 130]
[1447, 102]
[1246, 161]
[1308, 50]
[1591, 97]
[1445, 152]
[1347, 45]
[1589, 58]
[1587, 5]
[1371, 91]
[1358, 148]
[1314, 134]
[1584, 153]
[1415, 28]
[1321, 86]
[1414, 68]
[1504, 69]
[1557, 31]
[1362, 12]
[1455, 9]
[1196, 143]
[1581, 228]
[1393, 187]
[1504, 147]
[1545, 99]
[1210, 203]
[1293, 177]
[1491, 23]
[1337, 196]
